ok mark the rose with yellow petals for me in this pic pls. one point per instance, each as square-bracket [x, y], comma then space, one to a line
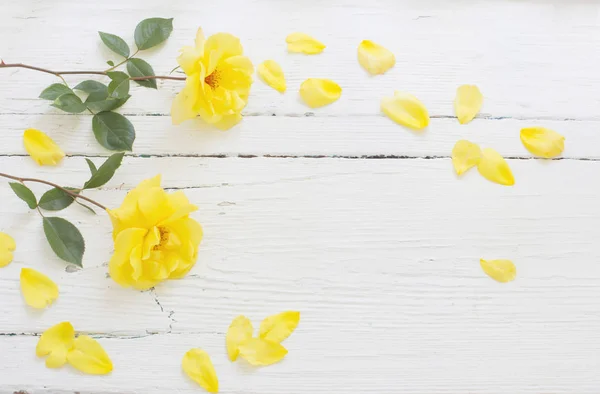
[374, 58]
[542, 142]
[467, 103]
[42, 148]
[199, 367]
[55, 343]
[38, 290]
[272, 74]
[218, 81]
[303, 43]
[318, 92]
[494, 168]
[465, 155]
[7, 246]
[154, 237]
[406, 109]
[500, 270]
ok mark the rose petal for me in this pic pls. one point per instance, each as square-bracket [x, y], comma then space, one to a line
[494, 168]
[260, 352]
[500, 270]
[542, 142]
[89, 357]
[55, 343]
[198, 366]
[303, 43]
[375, 58]
[42, 148]
[319, 92]
[38, 290]
[467, 103]
[406, 110]
[7, 246]
[272, 74]
[239, 332]
[465, 155]
[278, 327]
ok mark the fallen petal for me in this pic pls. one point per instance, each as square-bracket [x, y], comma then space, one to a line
[55, 343]
[198, 366]
[38, 290]
[467, 103]
[465, 155]
[278, 327]
[406, 109]
[7, 246]
[239, 332]
[494, 168]
[319, 92]
[89, 357]
[500, 270]
[272, 74]
[42, 148]
[542, 142]
[375, 58]
[303, 43]
[260, 352]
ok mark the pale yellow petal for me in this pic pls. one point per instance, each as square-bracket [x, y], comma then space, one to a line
[303, 43]
[494, 168]
[500, 270]
[42, 148]
[55, 343]
[260, 352]
[89, 357]
[198, 366]
[239, 332]
[406, 109]
[228, 121]
[318, 92]
[38, 290]
[465, 155]
[7, 246]
[272, 74]
[467, 103]
[542, 142]
[278, 327]
[375, 58]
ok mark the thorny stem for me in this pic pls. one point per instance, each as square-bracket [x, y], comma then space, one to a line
[74, 195]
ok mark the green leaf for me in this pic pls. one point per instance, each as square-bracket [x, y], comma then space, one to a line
[92, 166]
[115, 44]
[92, 87]
[54, 91]
[140, 68]
[153, 31]
[99, 102]
[110, 63]
[24, 193]
[119, 84]
[70, 103]
[105, 172]
[113, 131]
[56, 199]
[64, 239]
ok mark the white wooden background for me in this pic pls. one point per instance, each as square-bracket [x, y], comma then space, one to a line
[337, 212]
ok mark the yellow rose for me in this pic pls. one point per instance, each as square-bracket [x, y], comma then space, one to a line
[154, 237]
[218, 81]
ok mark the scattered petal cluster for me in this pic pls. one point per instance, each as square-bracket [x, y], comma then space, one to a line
[490, 164]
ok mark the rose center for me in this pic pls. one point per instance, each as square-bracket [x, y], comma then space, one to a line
[164, 238]
[213, 79]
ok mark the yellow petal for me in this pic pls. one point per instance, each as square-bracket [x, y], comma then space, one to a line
[55, 343]
[303, 43]
[465, 155]
[406, 110]
[500, 270]
[494, 168]
[239, 332]
[318, 92]
[260, 352]
[41, 148]
[467, 103]
[272, 74]
[542, 142]
[7, 246]
[375, 58]
[38, 290]
[198, 366]
[278, 327]
[89, 357]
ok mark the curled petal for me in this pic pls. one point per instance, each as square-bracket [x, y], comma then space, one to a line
[56, 342]
[406, 109]
[467, 103]
[38, 290]
[500, 270]
[278, 327]
[494, 168]
[7, 246]
[375, 58]
[198, 366]
[465, 155]
[89, 357]
[239, 332]
[42, 148]
[260, 352]
[542, 142]
[272, 74]
[303, 43]
[318, 92]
